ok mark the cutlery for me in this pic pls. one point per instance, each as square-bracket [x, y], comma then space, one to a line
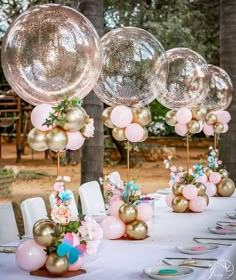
[7, 249]
[198, 259]
[194, 262]
[214, 240]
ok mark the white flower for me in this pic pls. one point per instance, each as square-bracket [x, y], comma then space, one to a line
[88, 130]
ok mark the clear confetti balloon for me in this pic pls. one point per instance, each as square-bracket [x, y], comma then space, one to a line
[220, 92]
[49, 52]
[130, 74]
[188, 79]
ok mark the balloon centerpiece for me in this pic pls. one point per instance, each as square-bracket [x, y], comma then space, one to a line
[61, 242]
[188, 194]
[130, 217]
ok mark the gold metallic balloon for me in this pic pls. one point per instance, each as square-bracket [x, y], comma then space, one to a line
[180, 204]
[208, 171]
[226, 187]
[49, 52]
[136, 230]
[128, 213]
[145, 135]
[224, 173]
[218, 127]
[206, 197]
[42, 232]
[75, 119]
[119, 134]
[199, 113]
[56, 139]
[211, 118]
[56, 265]
[201, 188]
[37, 140]
[193, 126]
[106, 117]
[177, 188]
[170, 117]
[141, 116]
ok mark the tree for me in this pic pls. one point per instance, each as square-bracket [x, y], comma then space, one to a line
[228, 63]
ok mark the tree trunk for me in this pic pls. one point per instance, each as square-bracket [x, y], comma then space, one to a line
[228, 63]
[93, 149]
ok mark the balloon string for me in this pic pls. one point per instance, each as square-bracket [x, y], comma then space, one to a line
[58, 164]
[215, 141]
[128, 168]
[188, 164]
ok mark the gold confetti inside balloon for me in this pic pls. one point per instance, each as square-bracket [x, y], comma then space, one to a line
[42, 232]
[220, 92]
[188, 79]
[56, 265]
[130, 73]
[49, 52]
[136, 230]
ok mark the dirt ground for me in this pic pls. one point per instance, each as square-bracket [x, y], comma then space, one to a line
[151, 175]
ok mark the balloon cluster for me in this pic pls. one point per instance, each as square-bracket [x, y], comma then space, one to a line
[127, 220]
[60, 127]
[216, 122]
[127, 123]
[185, 120]
[185, 197]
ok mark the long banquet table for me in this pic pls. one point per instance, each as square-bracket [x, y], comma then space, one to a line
[126, 259]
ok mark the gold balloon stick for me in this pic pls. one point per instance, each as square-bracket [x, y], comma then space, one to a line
[128, 167]
[58, 163]
[188, 164]
[215, 141]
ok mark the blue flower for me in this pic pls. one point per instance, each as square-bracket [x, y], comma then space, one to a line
[65, 195]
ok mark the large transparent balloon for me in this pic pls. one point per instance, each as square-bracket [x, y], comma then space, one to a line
[130, 73]
[220, 92]
[49, 52]
[188, 79]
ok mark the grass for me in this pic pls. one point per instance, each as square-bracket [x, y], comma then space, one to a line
[31, 174]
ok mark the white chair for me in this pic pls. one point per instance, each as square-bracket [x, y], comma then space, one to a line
[91, 198]
[72, 206]
[8, 227]
[33, 209]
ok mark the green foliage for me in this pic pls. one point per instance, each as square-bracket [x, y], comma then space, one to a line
[5, 172]
[31, 174]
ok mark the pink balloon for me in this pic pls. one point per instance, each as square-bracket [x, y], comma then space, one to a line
[210, 189]
[78, 264]
[202, 179]
[114, 208]
[114, 198]
[39, 115]
[75, 140]
[208, 129]
[121, 116]
[181, 129]
[169, 199]
[30, 256]
[226, 128]
[183, 115]
[223, 117]
[113, 228]
[190, 191]
[198, 204]
[134, 132]
[215, 177]
[145, 211]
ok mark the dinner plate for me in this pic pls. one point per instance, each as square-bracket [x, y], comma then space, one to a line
[231, 215]
[222, 230]
[196, 249]
[163, 272]
[164, 191]
[227, 224]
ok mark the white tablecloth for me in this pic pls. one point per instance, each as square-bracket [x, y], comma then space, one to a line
[126, 259]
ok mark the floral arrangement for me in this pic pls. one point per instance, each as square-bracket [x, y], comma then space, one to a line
[188, 193]
[61, 242]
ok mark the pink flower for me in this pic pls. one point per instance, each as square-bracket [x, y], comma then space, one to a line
[92, 247]
[89, 129]
[58, 186]
[107, 187]
[173, 168]
[61, 214]
[58, 201]
[90, 229]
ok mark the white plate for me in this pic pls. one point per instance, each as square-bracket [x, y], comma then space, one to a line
[222, 230]
[164, 191]
[197, 249]
[180, 272]
[227, 224]
[231, 215]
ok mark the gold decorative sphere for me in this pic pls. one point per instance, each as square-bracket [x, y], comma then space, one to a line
[141, 116]
[177, 188]
[208, 171]
[128, 213]
[37, 140]
[211, 118]
[56, 139]
[75, 119]
[199, 113]
[119, 134]
[206, 197]
[42, 232]
[224, 173]
[56, 265]
[136, 230]
[180, 204]
[145, 135]
[170, 117]
[226, 187]
[106, 117]
[193, 126]
[218, 127]
[201, 188]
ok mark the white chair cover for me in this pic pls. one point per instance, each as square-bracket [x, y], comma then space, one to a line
[92, 201]
[33, 209]
[8, 227]
[72, 206]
